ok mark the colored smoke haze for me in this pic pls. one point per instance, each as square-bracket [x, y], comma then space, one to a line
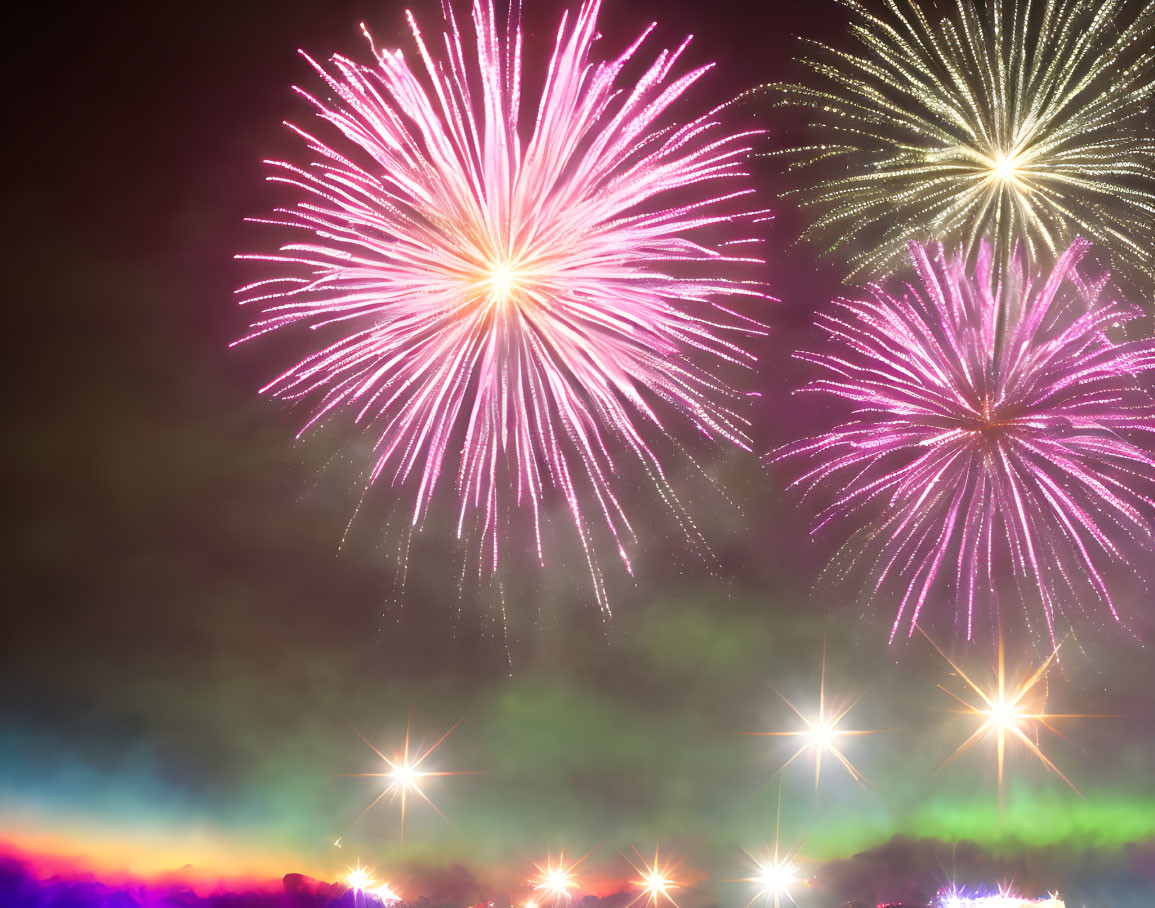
[194, 862]
[903, 873]
[193, 645]
[623, 745]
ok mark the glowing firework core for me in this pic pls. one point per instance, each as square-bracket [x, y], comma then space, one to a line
[1006, 167]
[776, 875]
[504, 282]
[1004, 713]
[655, 882]
[823, 734]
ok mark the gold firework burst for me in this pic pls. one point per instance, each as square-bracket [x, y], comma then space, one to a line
[1018, 121]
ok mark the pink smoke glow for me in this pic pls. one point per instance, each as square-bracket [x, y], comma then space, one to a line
[992, 429]
[537, 305]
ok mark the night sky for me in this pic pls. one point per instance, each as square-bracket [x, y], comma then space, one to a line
[188, 645]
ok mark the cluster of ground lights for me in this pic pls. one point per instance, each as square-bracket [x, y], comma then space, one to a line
[655, 886]
[957, 898]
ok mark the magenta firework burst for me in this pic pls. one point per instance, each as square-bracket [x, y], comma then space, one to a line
[518, 309]
[997, 433]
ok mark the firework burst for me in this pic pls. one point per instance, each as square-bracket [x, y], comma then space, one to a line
[518, 312]
[993, 429]
[1023, 120]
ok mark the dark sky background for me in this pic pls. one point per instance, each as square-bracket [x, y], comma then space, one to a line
[185, 640]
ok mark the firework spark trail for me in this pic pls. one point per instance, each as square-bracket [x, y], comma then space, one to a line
[992, 428]
[531, 302]
[1011, 120]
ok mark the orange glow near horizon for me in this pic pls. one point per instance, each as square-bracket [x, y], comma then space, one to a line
[198, 857]
[203, 859]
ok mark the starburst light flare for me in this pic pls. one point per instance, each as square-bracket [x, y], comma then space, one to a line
[522, 311]
[361, 882]
[774, 880]
[656, 881]
[405, 773]
[1011, 120]
[995, 431]
[556, 879]
[777, 873]
[821, 732]
[1009, 713]
[360, 878]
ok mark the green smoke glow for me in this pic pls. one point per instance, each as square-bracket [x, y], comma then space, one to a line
[634, 742]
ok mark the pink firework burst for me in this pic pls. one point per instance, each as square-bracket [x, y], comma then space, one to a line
[516, 311]
[993, 431]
